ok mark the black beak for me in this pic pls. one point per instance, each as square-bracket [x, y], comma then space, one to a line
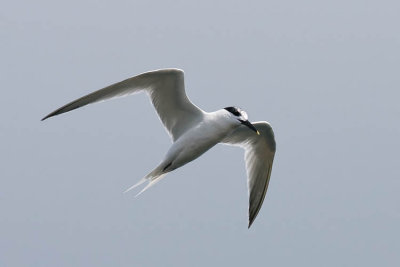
[251, 126]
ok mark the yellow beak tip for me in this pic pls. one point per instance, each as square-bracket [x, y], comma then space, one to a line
[258, 132]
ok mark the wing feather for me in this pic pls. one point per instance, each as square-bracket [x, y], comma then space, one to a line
[259, 156]
[166, 89]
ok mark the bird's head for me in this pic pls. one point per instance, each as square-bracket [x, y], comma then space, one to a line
[240, 117]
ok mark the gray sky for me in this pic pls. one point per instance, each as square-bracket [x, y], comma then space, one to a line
[325, 74]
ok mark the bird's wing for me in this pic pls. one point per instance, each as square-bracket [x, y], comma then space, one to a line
[259, 155]
[166, 89]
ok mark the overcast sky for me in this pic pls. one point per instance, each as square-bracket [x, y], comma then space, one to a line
[325, 74]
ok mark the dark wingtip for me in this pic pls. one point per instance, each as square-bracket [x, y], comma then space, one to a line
[250, 223]
[48, 116]
[56, 112]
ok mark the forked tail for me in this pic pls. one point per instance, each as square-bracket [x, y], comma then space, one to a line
[152, 178]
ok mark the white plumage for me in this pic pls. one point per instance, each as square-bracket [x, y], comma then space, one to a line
[194, 131]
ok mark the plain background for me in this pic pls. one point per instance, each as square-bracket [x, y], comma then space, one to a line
[325, 74]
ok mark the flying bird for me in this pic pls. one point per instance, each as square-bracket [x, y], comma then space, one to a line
[194, 131]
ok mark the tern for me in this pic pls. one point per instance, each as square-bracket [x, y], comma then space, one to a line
[194, 131]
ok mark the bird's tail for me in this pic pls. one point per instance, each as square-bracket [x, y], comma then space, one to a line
[152, 178]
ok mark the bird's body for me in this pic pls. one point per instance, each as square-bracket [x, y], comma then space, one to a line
[195, 131]
[198, 139]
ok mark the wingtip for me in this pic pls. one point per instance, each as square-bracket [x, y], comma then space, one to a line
[48, 116]
[252, 218]
[250, 223]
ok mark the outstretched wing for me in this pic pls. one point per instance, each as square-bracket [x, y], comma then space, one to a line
[259, 155]
[166, 89]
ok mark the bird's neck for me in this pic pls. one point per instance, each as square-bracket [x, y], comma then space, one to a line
[220, 122]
